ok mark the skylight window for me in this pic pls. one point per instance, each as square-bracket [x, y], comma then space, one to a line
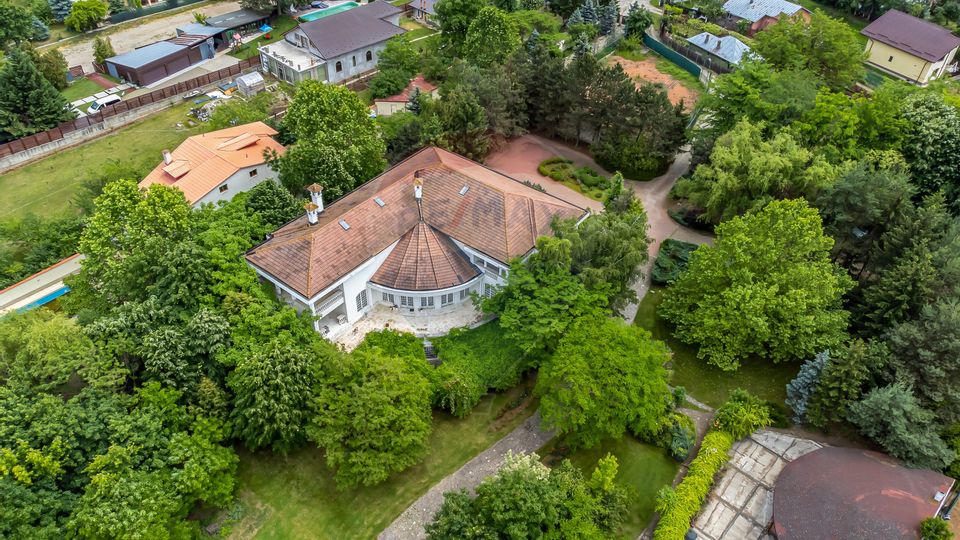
[464, 190]
[379, 201]
[345, 225]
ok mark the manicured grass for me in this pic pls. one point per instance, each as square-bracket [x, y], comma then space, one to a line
[366, 96]
[427, 45]
[708, 383]
[420, 32]
[80, 88]
[296, 497]
[644, 469]
[46, 187]
[280, 25]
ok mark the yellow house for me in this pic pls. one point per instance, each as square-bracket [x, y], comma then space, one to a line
[909, 48]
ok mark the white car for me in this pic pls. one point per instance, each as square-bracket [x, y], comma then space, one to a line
[99, 104]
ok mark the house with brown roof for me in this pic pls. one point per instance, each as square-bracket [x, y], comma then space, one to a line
[909, 48]
[417, 240]
[334, 47]
[398, 103]
[215, 166]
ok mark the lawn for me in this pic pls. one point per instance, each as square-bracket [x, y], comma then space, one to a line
[708, 383]
[644, 469]
[280, 25]
[295, 497]
[46, 187]
[427, 45]
[80, 88]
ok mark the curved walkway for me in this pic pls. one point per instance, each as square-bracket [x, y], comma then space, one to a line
[526, 438]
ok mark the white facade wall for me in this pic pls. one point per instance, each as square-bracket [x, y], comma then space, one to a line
[239, 181]
[347, 67]
[354, 282]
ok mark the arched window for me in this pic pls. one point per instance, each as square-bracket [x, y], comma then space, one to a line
[369, 56]
[339, 66]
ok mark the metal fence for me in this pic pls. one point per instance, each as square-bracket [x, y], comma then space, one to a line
[44, 137]
[672, 55]
[685, 56]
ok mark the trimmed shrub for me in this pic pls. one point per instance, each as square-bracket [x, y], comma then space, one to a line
[677, 507]
[671, 260]
[934, 528]
[474, 362]
[590, 178]
[742, 414]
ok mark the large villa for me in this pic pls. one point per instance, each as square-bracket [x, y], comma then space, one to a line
[409, 247]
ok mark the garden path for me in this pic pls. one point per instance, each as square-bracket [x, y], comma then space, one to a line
[526, 438]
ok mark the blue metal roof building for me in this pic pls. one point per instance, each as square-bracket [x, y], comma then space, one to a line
[727, 48]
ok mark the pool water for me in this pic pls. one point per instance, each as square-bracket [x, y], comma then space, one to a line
[329, 11]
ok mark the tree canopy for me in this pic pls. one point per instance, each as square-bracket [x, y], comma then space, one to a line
[767, 288]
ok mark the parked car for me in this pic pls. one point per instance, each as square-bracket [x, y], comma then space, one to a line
[99, 104]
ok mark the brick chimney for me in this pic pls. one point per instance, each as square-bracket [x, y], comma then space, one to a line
[167, 157]
[316, 196]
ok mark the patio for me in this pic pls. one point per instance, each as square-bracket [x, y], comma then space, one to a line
[381, 317]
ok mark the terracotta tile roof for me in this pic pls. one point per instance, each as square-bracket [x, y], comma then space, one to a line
[851, 493]
[403, 97]
[204, 161]
[918, 37]
[495, 215]
[425, 260]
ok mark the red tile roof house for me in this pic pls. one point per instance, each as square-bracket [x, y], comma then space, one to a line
[851, 494]
[909, 48]
[216, 166]
[416, 240]
[398, 103]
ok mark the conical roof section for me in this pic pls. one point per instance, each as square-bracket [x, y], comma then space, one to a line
[425, 259]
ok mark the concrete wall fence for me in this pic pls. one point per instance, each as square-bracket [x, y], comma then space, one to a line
[111, 117]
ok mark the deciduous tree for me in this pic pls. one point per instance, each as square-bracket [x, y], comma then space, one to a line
[373, 417]
[604, 378]
[454, 18]
[767, 288]
[491, 38]
[86, 15]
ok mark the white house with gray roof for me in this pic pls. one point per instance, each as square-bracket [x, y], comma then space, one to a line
[333, 48]
[723, 52]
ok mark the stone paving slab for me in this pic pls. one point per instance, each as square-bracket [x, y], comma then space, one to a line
[99, 95]
[800, 448]
[715, 518]
[760, 506]
[735, 487]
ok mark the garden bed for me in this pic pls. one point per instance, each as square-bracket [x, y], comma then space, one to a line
[583, 179]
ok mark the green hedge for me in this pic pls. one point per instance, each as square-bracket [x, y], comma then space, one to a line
[671, 260]
[562, 170]
[677, 507]
[475, 361]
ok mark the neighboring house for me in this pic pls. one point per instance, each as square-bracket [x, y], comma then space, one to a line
[418, 239]
[219, 35]
[423, 10]
[398, 103]
[216, 166]
[159, 60]
[852, 493]
[723, 52]
[759, 14]
[334, 48]
[909, 48]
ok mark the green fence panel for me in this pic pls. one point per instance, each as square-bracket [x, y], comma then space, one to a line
[672, 55]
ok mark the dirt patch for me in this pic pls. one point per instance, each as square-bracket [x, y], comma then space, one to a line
[646, 70]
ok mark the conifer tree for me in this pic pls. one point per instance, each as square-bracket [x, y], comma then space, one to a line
[60, 9]
[28, 102]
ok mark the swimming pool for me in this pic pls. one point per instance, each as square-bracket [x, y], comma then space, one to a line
[329, 11]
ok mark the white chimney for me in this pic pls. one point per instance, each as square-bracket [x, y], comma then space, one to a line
[167, 158]
[417, 186]
[316, 196]
[313, 213]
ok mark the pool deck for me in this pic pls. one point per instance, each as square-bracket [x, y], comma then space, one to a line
[334, 8]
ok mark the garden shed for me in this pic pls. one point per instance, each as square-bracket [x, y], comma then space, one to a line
[251, 84]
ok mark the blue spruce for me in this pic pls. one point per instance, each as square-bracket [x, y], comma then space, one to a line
[804, 385]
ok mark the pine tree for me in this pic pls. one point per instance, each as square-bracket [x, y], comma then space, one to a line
[40, 30]
[533, 40]
[581, 46]
[803, 386]
[117, 6]
[28, 102]
[608, 18]
[589, 12]
[575, 18]
[843, 379]
[414, 105]
[60, 9]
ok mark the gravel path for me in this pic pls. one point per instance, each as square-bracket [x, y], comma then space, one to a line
[526, 438]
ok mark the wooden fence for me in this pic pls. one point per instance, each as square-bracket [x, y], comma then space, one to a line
[59, 132]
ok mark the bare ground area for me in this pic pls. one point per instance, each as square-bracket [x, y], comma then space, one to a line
[140, 33]
[646, 70]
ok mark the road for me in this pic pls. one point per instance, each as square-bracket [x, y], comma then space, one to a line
[139, 33]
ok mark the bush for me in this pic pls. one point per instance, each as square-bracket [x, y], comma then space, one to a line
[671, 260]
[934, 528]
[475, 361]
[677, 507]
[388, 82]
[742, 414]
[562, 170]
[590, 178]
[632, 158]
